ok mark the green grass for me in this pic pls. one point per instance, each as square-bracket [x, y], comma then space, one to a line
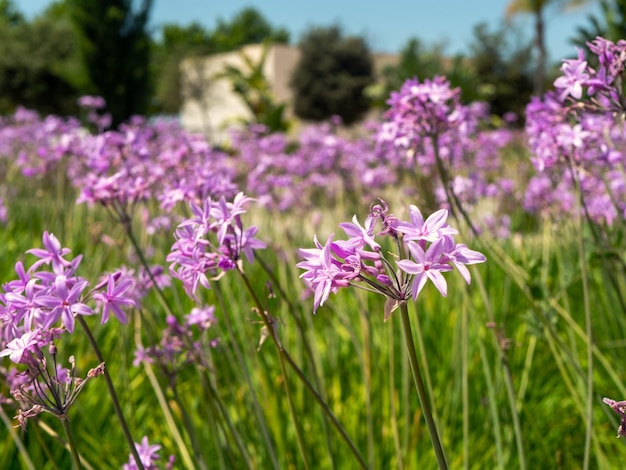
[472, 339]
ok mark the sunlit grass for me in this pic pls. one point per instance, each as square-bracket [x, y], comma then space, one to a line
[355, 359]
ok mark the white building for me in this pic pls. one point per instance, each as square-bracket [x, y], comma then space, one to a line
[209, 103]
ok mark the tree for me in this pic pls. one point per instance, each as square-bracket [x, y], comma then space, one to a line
[503, 71]
[37, 61]
[416, 60]
[612, 25]
[9, 14]
[331, 76]
[421, 61]
[176, 43]
[115, 48]
[181, 42]
[248, 26]
[538, 8]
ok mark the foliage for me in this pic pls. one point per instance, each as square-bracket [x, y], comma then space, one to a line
[503, 70]
[427, 61]
[178, 42]
[248, 26]
[331, 76]
[37, 61]
[537, 8]
[115, 49]
[610, 25]
[252, 86]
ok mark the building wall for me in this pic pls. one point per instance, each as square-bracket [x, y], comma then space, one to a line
[209, 104]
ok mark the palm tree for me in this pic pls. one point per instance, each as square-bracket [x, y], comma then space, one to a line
[537, 8]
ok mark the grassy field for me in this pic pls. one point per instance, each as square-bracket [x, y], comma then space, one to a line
[505, 359]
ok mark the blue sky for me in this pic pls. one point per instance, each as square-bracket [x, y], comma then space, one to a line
[387, 24]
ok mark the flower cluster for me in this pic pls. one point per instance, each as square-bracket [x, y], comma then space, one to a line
[285, 175]
[179, 345]
[51, 292]
[44, 386]
[194, 254]
[604, 86]
[575, 139]
[426, 250]
[427, 122]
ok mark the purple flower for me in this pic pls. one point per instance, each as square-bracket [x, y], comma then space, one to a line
[203, 317]
[64, 300]
[323, 273]
[620, 408]
[342, 263]
[148, 454]
[114, 298]
[460, 255]
[361, 236]
[428, 231]
[574, 76]
[19, 349]
[427, 265]
[52, 253]
[94, 102]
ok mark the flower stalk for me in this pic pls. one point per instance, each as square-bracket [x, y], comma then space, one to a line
[420, 388]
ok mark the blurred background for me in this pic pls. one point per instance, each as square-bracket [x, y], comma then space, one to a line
[186, 59]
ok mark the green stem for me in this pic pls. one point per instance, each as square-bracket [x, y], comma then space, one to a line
[112, 393]
[246, 373]
[214, 397]
[392, 398]
[419, 386]
[18, 442]
[465, 383]
[65, 420]
[144, 262]
[284, 354]
[585, 285]
[292, 410]
[190, 430]
[508, 376]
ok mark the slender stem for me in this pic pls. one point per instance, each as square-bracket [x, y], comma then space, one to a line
[65, 420]
[214, 398]
[508, 377]
[195, 445]
[585, 285]
[292, 410]
[112, 393]
[144, 262]
[419, 386]
[18, 441]
[284, 354]
[465, 383]
[392, 398]
[246, 373]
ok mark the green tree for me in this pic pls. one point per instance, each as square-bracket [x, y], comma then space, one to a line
[37, 62]
[416, 60]
[9, 14]
[610, 25]
[502, 70]
[180, 42]
[331, 76]
[115, 48]
[537, 8]
[422, 61]
[175, 44]
[248, 26]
